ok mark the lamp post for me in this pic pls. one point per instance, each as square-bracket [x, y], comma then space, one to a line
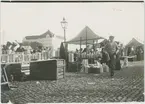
[64, 26]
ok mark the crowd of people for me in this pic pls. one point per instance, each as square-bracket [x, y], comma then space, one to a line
[109, 53]
[15, 47]
[139, 52]
[14, 51]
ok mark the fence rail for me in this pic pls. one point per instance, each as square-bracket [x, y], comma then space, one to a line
[22, 58]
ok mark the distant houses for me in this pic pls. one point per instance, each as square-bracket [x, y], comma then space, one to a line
[47, 39]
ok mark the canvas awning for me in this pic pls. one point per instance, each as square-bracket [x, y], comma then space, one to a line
[85, 34]
[135, 43]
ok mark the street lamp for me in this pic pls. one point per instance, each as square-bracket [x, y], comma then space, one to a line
[64, 26]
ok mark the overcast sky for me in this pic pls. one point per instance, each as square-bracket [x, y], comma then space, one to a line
[123, 20]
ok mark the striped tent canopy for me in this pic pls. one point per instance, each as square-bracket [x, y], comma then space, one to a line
[85, 34]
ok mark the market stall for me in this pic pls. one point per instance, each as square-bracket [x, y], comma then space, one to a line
[88, 38]
[134, 50]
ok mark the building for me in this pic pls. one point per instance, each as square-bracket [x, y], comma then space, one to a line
[47, 39]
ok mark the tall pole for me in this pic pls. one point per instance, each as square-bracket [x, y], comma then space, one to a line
[64, 25]
[64, 36]
[93, 50]
[65, 44]
[80, 48]
[86, 43]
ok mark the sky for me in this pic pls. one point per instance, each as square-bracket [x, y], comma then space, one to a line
[122, 20]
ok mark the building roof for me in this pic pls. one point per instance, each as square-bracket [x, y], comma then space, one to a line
[48, 32]
[86, 33]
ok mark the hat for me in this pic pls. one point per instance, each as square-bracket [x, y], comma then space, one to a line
[111, 36]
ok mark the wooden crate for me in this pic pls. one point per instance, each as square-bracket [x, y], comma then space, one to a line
[94, 70]
[47, 70]
[15, 70]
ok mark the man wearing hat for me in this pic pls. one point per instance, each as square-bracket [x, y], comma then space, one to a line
[112, 49]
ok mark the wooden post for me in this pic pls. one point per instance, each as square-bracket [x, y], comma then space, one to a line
[14, 58]
[80, 48]
[86, 43]
[93, 50]
[66, 55]
[23, 58]
[80, 54]
[42, 55]
[8, 58]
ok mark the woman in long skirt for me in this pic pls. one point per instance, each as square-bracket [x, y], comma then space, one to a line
[118, 56]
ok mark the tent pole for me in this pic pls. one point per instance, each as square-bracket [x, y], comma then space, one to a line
[86, 43]
[80, 48]
[93, 50]
[80, 53]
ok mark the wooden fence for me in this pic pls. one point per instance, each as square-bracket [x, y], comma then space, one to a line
[22, 58]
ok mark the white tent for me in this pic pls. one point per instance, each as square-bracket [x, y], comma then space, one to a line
[86, 35]
[133, 43]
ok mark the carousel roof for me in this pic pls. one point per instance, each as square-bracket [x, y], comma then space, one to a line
[85, 34]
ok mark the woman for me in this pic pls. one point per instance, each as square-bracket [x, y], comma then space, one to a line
[118, 56]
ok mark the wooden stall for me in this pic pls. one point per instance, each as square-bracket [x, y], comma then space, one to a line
[137, 52]
[85, 37]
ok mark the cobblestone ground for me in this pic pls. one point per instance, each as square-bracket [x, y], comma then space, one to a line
[127, 86]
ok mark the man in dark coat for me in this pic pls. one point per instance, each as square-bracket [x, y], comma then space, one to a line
[112, 49]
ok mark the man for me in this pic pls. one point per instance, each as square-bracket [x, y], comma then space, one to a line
[112, 49]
